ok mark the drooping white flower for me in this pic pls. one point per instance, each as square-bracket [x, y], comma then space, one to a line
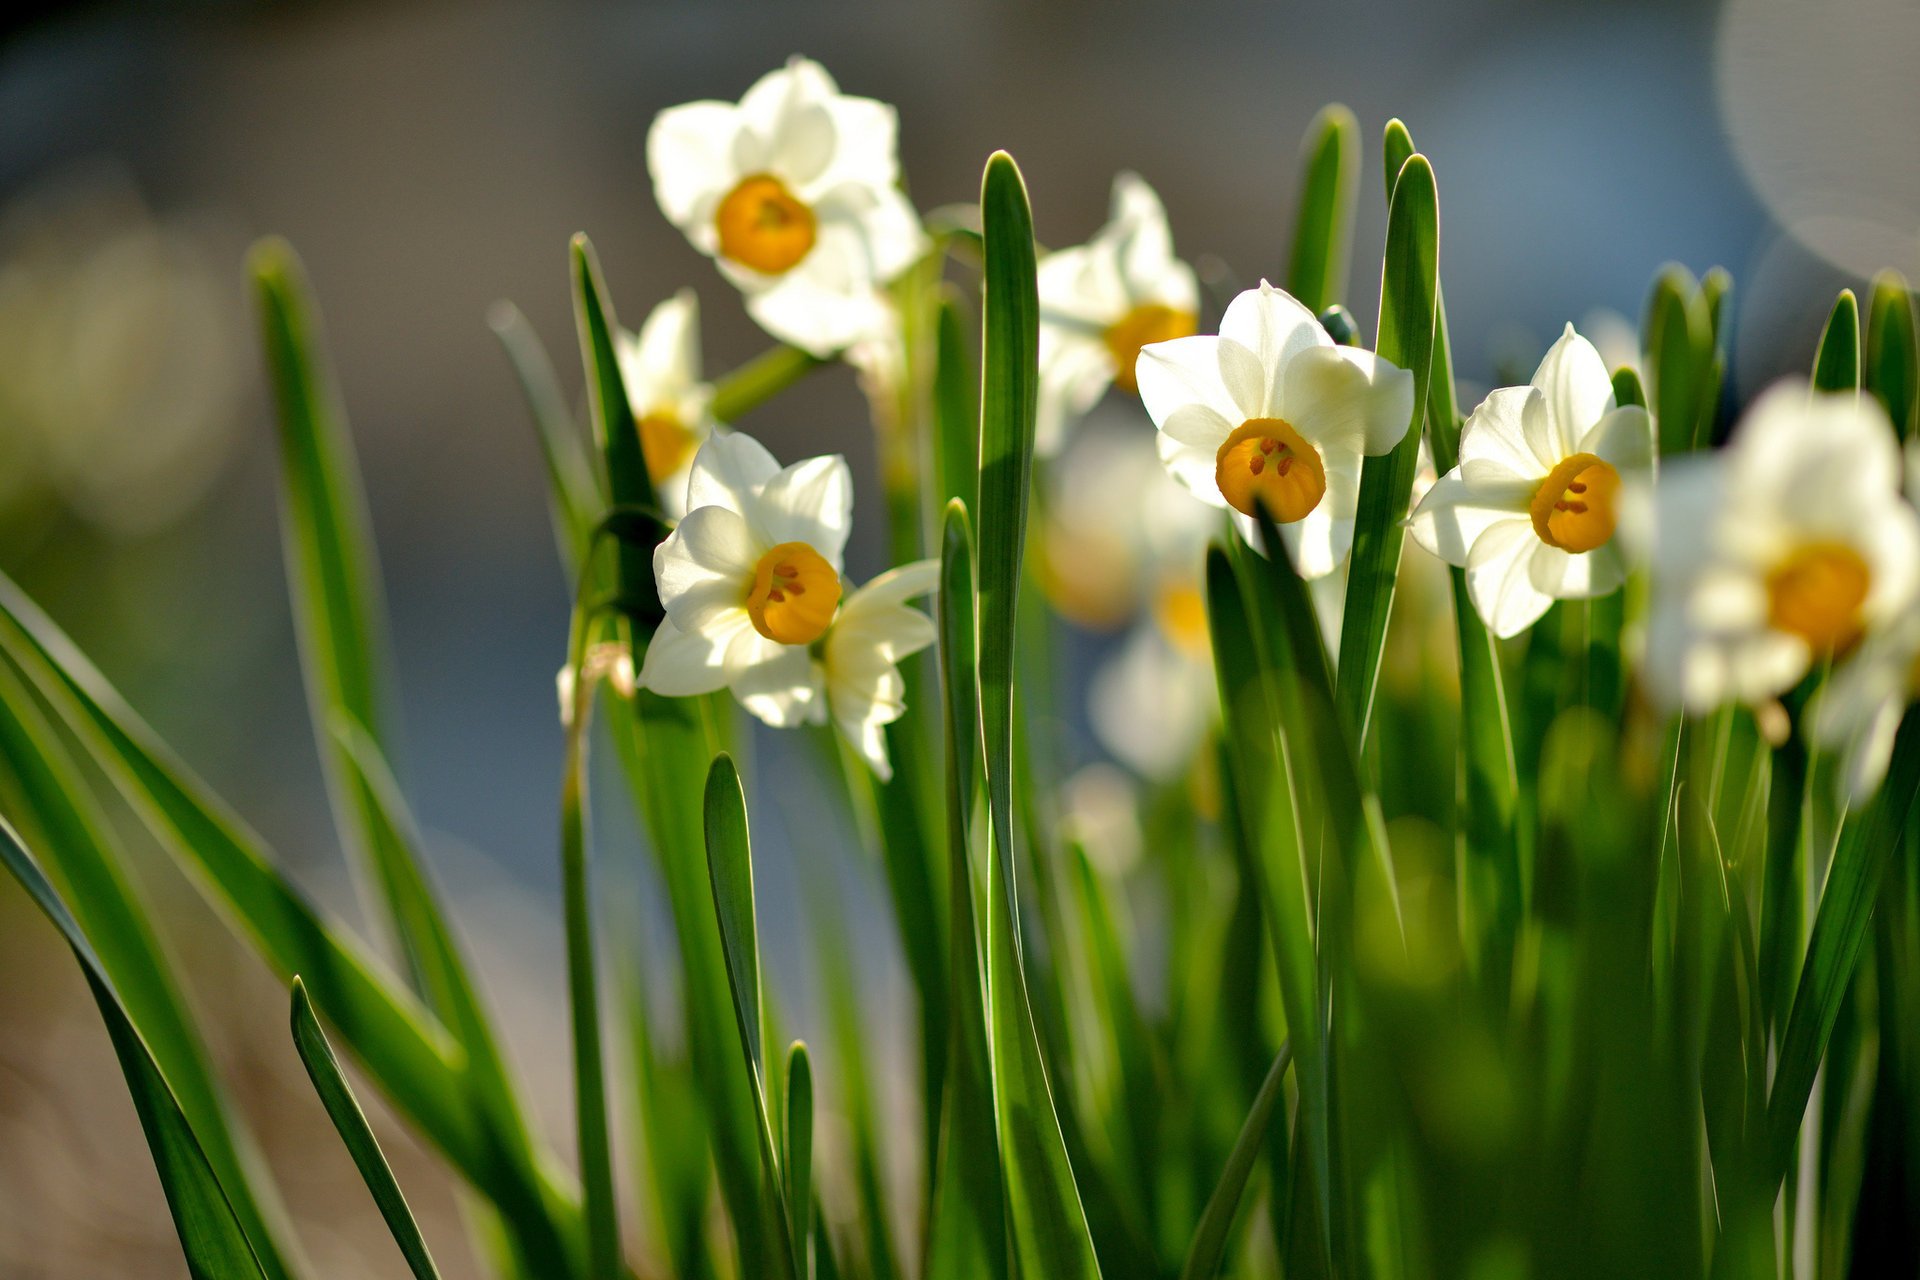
[1530, 511]
[1102, 301]
[1790, 544]
[660, 366]
[750, 577]
[794, 192]
[1272, 410]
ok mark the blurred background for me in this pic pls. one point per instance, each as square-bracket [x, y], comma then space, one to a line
[428, 159]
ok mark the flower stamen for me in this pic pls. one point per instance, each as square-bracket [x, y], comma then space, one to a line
[794, 594]
[763, 226]
[1573, 508]
[1265, 459]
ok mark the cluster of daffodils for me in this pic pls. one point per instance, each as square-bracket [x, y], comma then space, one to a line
[1790, 550]
[757, 602]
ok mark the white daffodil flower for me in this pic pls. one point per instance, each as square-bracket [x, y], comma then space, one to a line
[1791, 544]
[750, 578]
[794, 192]
[1531, 509]
[660, 366]
[1272, 410]
[1102, 301]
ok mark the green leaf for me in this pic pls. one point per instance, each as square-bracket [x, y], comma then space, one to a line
[583, 986]
[351, 1124]
[1840, 930]
[1678, 337]
[1049, 1223]
[967, 1226]
[1396, 148]
[1210, 1237]
[956, 407]
[43, 792]
[759, 380]
[216, 1247]
[1408, 284]
[405, 1050]
[799, 1148]
[1836, 366]
[573, 488]
[1329, 185]
[1893, 355]
[1627, 389]
[730, 872]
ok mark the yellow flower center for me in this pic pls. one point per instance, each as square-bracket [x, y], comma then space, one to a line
[1181, 611]
[794, 594]
[1573, 507]
[763, 226]
[1148, 322]
[1816, 594]
[1265, 459]
[666, 444]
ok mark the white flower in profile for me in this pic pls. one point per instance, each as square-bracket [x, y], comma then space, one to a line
[1858, 710]
[660, 366]
[1102, 301]
[1530, 512]
[794, 192]
[857, 667]
[1271, 410]
[1790, 545]
[750, 577]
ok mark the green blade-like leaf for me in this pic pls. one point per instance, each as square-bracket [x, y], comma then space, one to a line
[1678, 339]
[1836, 365]
[210, 1235]
[799, 1147]
[1840, 928]
[1396, 148]
[351, 1124]
[956, 408]
[1210, 1237]
[759, 380]
[1049, 1223]
[730, 872]
[967, 1227]
[583, 984]
[44, 794]
[573, 489]
[1329, 187]
[1892, 369]
[406, 1052]
[1408, 283]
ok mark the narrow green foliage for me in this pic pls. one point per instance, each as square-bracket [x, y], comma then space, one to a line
[216, 1247]
[730, 873]
[759, 380]
[1396, 148]
[1627, 389]
[1323, 229]
[1408, 283]
[573, 487]
[1836, 365]
[956, 408]
[799, 1148]
[967, 1228]
[1049, 1224]
[1677, 336]
[1210, 1237]
[1892, 371]
[351, 1124]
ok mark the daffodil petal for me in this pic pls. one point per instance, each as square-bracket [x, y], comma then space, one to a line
[1455, 512]
[784, 692]
[1273, 325]
[703, 568]
[690, 159]
[728, 471]
[1578, 391]
[680, 664]
[1499, 581]
[1622, 437]
[1182, 372]
[1496, 432]
[811, 502]
[1345, 398]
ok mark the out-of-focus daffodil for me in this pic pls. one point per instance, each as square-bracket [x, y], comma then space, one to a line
[1858, 709]
[751, 577]
[1790, 545]
[661, 368]
[1272, 411]
[1102, 301]
[794, 192]
[1530, 511]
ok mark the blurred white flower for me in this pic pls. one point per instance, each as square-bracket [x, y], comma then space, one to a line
[1152, 704]
[1857, 711]
[1791, 544]
[794, 192]
[750, 578]
[610, 661]
[1531, 509]
[1272, 410]
[1102, 301]
[660, 366]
